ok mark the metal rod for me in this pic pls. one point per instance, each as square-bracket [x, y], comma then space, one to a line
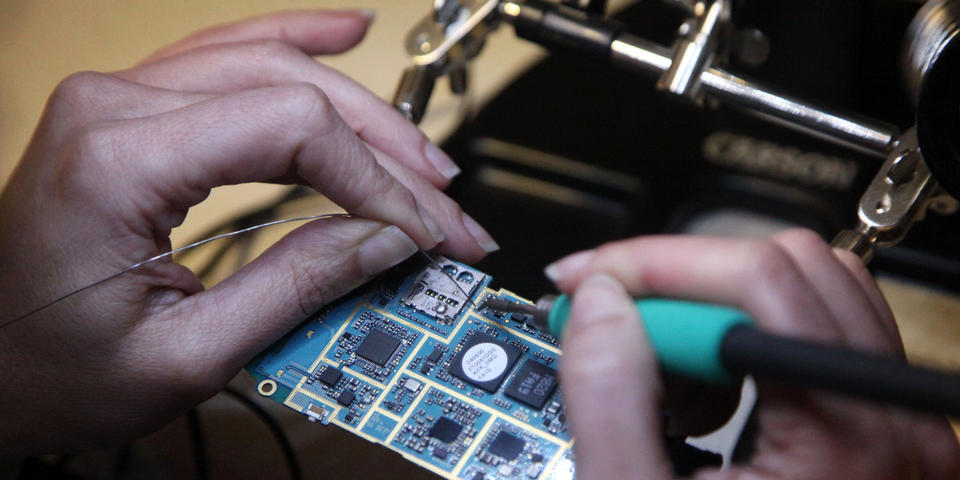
[865, 135]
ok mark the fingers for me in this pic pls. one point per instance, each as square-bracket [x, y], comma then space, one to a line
[465, 238]
[308, 268]
[315, 32]
[89, 97]
[174, 159]
[856, 267]
[758, 276]
[233, 67]
[842, 293]
[609, 374]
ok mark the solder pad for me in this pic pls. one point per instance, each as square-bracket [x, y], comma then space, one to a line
[412, 362]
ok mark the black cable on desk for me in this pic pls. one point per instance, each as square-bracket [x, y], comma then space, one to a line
[198, 444]
[791, 361]
[255, 217]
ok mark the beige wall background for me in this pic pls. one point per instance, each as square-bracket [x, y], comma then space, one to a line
[42, 41]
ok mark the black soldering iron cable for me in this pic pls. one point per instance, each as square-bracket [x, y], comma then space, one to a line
[793, 362]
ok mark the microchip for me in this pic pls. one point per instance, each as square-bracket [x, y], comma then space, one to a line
[330, 376]
[484, 361]
[378, 347]
[435, 355]
[345, 398]
[479, 476]
[441, 453]
[506, 446]
[445, 430]
[533, 384]
[412, 385]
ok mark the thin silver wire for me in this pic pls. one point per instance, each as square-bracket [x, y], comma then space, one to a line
[168, 254]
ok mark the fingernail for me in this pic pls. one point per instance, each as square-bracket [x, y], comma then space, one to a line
[384, 249]
[441, 161]
[568, 265]
[369, 13]
[486, 242]
[435, 231]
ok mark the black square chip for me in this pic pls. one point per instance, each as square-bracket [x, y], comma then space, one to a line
[506, 446]
[533, 384]
[445, 430]
[378, 347]
[330, 376]
[346, 398]
[484, 361]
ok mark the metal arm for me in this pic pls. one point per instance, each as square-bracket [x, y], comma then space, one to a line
[554, 25]
[900, 194]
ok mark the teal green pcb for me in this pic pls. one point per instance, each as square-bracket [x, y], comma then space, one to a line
[414, 362]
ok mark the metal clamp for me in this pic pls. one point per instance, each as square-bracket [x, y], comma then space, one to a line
[899, 196]
[696, 48]
[442, 43]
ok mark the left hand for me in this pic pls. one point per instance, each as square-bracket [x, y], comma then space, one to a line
[113, 166]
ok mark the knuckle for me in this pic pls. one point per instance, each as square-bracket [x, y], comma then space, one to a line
[852, 262]
[445, 206]
[771, 265]
[310, 286]
[90, 154]
[385, 190]
[399, 194]
[802, 241]
[81, 87]
[312, 107]
[272, 50]
[93, 143]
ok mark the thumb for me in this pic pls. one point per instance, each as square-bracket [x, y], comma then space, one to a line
[611, 386]
[311, 266]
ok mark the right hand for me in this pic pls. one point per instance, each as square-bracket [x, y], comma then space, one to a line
[793, 284]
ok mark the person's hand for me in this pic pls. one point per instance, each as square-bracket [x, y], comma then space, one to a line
[113, 166]
[793, 284]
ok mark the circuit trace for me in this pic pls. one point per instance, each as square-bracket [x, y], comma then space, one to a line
[415, 362]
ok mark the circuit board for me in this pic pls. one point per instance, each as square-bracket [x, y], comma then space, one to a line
[415, 362]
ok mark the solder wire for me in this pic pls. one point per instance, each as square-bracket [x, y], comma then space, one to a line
[208, 240]
[168, 254]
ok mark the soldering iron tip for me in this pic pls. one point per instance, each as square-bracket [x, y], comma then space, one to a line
[507, 306]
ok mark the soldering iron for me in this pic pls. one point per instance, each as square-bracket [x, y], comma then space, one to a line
[718, 344]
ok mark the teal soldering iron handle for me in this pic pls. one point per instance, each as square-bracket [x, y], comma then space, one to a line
[687, 336]
[718, 344]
